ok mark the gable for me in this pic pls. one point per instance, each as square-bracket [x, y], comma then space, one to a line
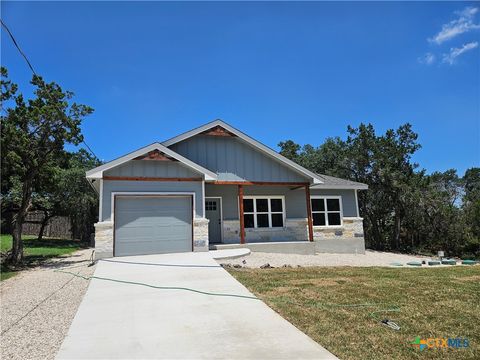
[232, 159]
[219, 128]
[155, 153]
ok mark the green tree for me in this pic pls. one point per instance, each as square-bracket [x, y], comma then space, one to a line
[33, 135]
[79, 198]
[471, 199]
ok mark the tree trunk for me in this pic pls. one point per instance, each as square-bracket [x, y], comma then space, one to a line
[46, 217]
[397, 230]
[16, 255]
[17, 244]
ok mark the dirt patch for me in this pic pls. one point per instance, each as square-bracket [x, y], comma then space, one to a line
[320, 282]
[475, 278]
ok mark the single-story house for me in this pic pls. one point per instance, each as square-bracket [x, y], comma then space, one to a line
[215, 186]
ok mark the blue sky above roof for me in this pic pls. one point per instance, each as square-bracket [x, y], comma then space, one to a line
[276, 71]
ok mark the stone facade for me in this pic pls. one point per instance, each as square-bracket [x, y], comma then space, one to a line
[351, 228]
[200, 234]
[295, 229]
[104, 237]
[347, 238]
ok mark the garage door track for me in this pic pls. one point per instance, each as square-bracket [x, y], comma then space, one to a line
[178, 306]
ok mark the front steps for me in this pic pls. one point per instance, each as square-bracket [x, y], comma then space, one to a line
[285, 247]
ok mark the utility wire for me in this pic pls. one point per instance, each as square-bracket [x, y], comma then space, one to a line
[18, 47]
[34, 73]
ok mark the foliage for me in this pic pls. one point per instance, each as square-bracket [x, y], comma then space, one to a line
[33, 135]
[404, 209]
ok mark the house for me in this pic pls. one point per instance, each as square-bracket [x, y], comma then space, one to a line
[216, 187]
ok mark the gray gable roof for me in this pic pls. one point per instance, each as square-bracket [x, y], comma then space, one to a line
[331, 182]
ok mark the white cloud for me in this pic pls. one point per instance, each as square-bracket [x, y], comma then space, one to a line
[464, 23]
[456, 52]
[427, 59]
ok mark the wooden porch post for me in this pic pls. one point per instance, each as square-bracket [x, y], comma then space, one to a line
[242, 224]
[309, 212]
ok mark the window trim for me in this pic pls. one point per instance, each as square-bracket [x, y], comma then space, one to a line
[254, 213]
[325, 198]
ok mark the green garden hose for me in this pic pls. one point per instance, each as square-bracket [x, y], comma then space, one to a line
[157, 287]
[386, 322]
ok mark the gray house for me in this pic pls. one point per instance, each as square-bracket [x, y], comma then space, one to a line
[215, 187]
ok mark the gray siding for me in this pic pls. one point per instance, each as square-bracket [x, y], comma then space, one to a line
[234, 160]
[294, 199]
[110, 186]
[150, 168]
[349, 204]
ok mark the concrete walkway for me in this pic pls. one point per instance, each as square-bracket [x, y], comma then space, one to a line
[129, 321]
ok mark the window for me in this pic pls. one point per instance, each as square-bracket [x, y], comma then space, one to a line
[327, 211]
[263, 211]
[210, 205]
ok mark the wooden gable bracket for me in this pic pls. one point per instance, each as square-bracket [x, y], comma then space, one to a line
[218, 131]
[155, 155]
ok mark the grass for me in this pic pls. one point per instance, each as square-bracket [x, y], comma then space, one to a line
[434, 303]
[36, 251]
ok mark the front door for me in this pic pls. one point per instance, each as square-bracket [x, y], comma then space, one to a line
[213, 213]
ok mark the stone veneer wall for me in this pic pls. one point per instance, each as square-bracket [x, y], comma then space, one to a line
[352, 228]
[348, 238]
[295, 229]
[104, 237]
[345, 239]
[200, 234]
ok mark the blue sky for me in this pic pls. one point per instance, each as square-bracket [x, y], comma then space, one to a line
[277, 71]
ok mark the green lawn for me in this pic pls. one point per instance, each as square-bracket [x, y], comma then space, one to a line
[36, 251]
[433, 303]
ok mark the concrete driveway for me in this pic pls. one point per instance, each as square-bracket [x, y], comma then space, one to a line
[128, 321]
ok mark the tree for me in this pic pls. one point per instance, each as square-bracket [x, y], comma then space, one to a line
[33, 135]
[79, 198]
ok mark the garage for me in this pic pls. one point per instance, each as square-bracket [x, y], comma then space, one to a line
[152, 224]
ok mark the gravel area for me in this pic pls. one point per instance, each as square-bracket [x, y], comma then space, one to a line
[38, 306]
[371, 258]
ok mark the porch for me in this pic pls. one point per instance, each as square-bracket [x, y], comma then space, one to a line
[253, 212]
[283, 218]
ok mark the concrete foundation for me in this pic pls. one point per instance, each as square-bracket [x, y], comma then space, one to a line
[345, 239]
[340, 246]
[285, 247]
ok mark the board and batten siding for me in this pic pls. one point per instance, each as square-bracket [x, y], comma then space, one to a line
[234, 160]
[110, 186]
[150, 168]
[295, 202]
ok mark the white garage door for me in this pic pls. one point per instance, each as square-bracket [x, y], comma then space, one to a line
[152, 224]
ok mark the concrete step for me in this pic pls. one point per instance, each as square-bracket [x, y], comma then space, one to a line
[286, 247]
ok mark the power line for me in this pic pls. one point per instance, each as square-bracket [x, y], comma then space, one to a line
[18, 47]
[34, 73]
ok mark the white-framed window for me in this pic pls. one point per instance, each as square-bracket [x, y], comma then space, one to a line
[263, 211]
[327, 210]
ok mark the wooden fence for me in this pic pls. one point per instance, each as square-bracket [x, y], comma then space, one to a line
[57, 227]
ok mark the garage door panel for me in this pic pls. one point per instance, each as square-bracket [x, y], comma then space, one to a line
[152, 225]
